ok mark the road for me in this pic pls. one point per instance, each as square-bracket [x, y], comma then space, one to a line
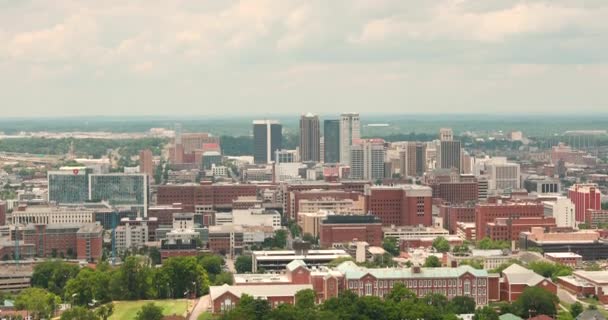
[230, 265]
[204, 303]
[566, 296]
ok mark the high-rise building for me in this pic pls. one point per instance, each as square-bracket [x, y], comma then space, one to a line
[412, 159]
[585, 197]
[69, 185]
[350, 130]
[120, 189]
[267, 138]
[402, 205]
[446, 134]
[503, 175]
[449, 152]
[331, 141]
[309, 138]
[146, 165]
[367, 159]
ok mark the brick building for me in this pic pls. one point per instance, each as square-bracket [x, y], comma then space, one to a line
[584, 197]
[486, 213]
[76, 241]
[515, 279]
[570, 259]
[400, 205]
[453, 187]
[346, 228]
[337, 201]
[226, 239]
[288, 190]
[587, 283]
[453, 214]
[204, 196]
[2, 213]
[509, 229]
[594, 218]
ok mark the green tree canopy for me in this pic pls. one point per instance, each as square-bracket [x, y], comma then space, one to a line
[441, 244]
[535, 301]
[432, 262]
[149, 311]
[243, 264]
[40, 303]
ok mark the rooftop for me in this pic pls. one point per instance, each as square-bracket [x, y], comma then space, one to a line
[352, 271]
[563, 255]
[257, 291]
[517, 274]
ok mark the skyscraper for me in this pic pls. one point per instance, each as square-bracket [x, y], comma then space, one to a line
[69, 185]
[449, 150]
[367, 159]
[350, 130]
[309, 138]
[412, 159]
[331, 141]
[146, 165]
[120, 189]
[450, 155]
[267, 138]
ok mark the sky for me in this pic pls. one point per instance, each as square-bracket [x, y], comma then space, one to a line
[79, 58]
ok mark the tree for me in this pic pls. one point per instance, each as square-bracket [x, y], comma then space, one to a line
[462, 304]
[536, 301]
[133, 280]
[305, 299]
[184, 275]
[149, 311]
[441, 244]
[400, 293]
[243, 264]
[40, 303]
[485, 313]
[88, 285]
[487, 243]
[212, 263]
[154, 255]
[576, 309]
[337, 261]
[280, 239]
[432, 262]
[78, 313]
[53, 275]
[391, 246]
[550, 270]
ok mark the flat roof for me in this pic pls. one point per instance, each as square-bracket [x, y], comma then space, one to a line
[563, 255]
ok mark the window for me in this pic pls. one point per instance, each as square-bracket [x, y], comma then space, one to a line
[368, 289]
[467, 288]
[226, 305]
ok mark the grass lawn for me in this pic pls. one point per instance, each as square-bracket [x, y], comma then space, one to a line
[205, 316]
[126, 310]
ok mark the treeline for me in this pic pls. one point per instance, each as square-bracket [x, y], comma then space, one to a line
[135, 279]
[400, 303]
[95, 148]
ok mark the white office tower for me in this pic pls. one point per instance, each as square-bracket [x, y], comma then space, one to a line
[350, 129]
[562, 209]
[503, 175]
[367, 159]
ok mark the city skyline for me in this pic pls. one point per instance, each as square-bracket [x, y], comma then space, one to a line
[269, 57]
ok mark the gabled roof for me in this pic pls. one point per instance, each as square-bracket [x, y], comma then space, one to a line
[257, 291]
[295, 264]
[517, 274]
[352, 271]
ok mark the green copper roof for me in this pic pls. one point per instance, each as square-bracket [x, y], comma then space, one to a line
[352, 271]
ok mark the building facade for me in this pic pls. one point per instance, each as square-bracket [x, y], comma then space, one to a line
[310, 138]
[350, 130]
[331, 141]
[584, 197]
[367, 159]
[267, 138]
[347, 228]
[400, 205]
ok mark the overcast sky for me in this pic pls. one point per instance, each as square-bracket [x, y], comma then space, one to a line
[150, 57]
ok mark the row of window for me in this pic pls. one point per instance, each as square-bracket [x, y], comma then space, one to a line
[353, 284]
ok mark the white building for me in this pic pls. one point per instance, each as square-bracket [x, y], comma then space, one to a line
[350, 129]
[133, 234]
[219, 171]
[183, 228]
[250, 218]
[410, 233]
[503, 175]
[52, 215]
[367, 159]
[562, 210]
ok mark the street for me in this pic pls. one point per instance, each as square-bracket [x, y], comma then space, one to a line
[204, 303]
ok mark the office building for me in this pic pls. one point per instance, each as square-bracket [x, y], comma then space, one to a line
[486, 213]
[226, 239]
[586, 243]
[310, 138]
[331, 141]
[449, 152]
[120, 189]
[509, 229]
[350, 131]
[541, 184]
[250, 217]
[339, 229]
[146, 163]
[278, 259]
[402, 205]
[367, 159]
[267, 138]
[76, 241]
[453, 214]
[69, 185]
[562, 209]
[203, 197]
[587, 283]
[412, 159]
[446, 134]
[585, 197]
[42, 214]
[503, 175]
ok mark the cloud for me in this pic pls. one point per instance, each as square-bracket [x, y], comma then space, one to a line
[286, 51]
